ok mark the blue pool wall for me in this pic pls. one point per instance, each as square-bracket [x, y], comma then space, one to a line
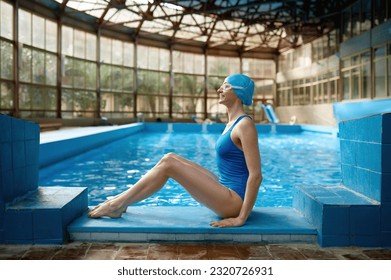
[54, 151]
[344, 111]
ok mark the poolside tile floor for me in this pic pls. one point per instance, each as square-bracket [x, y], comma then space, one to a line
[177, 224]
[171, 251]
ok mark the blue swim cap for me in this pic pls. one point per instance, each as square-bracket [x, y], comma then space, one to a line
[243, 87]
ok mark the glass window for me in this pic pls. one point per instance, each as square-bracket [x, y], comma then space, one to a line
[164, 60]
[79, 43]
[191, 63]
[78, 103]
[379, 76]
[36, 101]
[117, 52]
[25, 65]
[379, 72]
[116, 102]
[366, 75]
[152, 58]
[6, 97]
[67, 40]
[346, 85]
[6, 60]
[355, 83]
[91, 46]
[51, 36]
[38, 67]
[79, 73]
[128, 54]
[154, 106]
[224, 66]
[105, 50]
[38, 32]
[6, 20]
[24, 27]
[258, 68]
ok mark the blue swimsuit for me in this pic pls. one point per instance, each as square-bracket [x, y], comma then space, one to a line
[231, 162]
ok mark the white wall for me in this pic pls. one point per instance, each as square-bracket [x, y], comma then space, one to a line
[321, 114]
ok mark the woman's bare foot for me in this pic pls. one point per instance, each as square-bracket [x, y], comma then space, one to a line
[107, 209]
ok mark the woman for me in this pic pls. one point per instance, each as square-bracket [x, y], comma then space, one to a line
[238, 160]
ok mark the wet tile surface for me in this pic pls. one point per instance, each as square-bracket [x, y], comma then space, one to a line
[156, 251]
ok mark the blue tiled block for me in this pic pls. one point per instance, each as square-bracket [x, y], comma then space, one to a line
[385, 217]
[32, 173]
[2, 209]
[31, 131]
[348, 152]
[385, 238]
[19, 175]
[364, 220]
[18, 154]
[334, 240]
[349, 177]
[386, 133]
[32, 152]
[386, 187]
[5, 156]
[47, 224]
[49, 209]
[363, 181]
[369, 156]
[336, 220]
[366, 129]
[386, 158]
[347, 173]
[370, 129]
[370, 183]
[314, 210]
[7, 185]
[18, 225]
[18, 133]
[5, 128]
[365, 240]
[75, 207]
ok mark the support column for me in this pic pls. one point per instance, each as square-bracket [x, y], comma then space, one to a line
[16, 112]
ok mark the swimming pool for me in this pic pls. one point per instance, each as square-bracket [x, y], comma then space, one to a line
[287, 160]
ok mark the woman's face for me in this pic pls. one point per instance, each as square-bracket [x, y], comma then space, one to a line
[226, 94]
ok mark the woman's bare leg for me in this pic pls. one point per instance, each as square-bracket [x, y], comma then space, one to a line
[198, 181]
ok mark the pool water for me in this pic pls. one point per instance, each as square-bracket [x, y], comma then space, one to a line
[287, 160]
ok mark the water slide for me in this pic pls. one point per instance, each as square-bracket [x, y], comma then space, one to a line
[270, 114]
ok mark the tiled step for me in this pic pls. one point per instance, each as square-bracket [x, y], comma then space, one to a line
[191, 224]
[341, 216]
[41, 216]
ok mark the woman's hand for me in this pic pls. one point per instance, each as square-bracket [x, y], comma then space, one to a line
[230, 222]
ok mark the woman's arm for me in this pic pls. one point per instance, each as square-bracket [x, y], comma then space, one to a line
[245, 136]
